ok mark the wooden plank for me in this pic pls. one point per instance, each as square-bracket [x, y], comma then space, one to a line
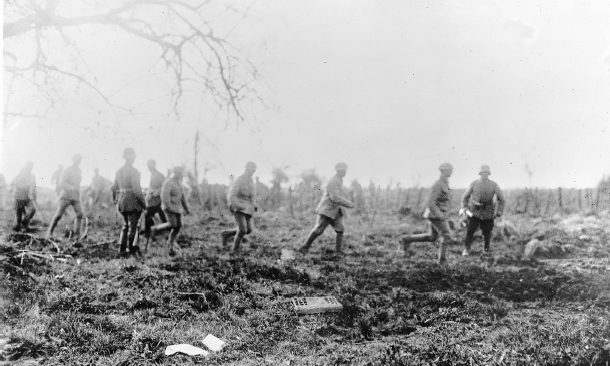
[315, 305]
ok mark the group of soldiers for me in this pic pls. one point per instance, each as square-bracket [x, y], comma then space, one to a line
[166, 199]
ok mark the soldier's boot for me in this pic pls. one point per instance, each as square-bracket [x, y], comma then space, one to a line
[339, 243]
[26, 220]
[310, 239]
[442, 251]
[237, 242]
[77, 225]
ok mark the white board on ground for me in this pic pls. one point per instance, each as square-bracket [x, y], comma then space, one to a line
[314, 305]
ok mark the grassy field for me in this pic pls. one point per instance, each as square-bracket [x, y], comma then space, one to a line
[487, 309]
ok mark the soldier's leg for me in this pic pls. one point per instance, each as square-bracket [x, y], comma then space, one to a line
[123, 239]
[487, 227]
[30, 211]
[148, 220]
[19, 212]
[242, 228]
[78, 210]
[322, 223]
[337, 225]
[444, 236]
[61, 208]
[133, 219]
[174, 220]
[473, 225]
[161, 214]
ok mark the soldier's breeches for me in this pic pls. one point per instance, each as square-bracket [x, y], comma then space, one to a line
[130, 225]
[474, 223]
[244, 226]
[24, 211]
[148, 218]
[61, 208]
[322, 222]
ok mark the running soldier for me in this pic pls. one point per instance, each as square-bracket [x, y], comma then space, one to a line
[478, 199]
[153, 200]
[331, 210]
[69, 195]
[173, 201]
[241, 203]
[127, 194]
[436, 212]
[24, 195]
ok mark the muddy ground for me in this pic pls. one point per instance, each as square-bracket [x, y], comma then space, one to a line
[63, 305]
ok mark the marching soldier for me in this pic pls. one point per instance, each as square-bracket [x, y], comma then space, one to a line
[127, 194]
[24, 194]
[153, 200]
[69, 195]
[437, 214]
[478, 199]
[173, 201]
[241, 203]
[97, 187]
[331, 210]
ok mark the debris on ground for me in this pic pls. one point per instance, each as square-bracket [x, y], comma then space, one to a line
[531, 247]
[287, 255]
[213, 343]
[186, 349]
[314, 305]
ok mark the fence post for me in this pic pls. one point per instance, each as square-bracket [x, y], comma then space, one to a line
[560, 201]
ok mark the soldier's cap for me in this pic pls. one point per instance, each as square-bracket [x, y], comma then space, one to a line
[178, 170]
[129, 152]
[250, 165]
[484, 168]
[445, 166]
[76, 157]
[341, 166]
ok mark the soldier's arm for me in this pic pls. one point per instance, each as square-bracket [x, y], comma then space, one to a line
[233, 193]
[137, 188]
[335, 193]
[165, 193]
[466, 196]
[63, 181]
[435, 192]
[185, 204]
[501, 201]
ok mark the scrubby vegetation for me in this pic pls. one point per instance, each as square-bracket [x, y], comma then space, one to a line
[88, 306]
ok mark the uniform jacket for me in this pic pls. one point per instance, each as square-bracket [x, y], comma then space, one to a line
[172, 196]
[24, 186]
[126, 190]
[153, 194]
[439, 199]
[98, 182]
[241, 195]
[478, 198]
[334, 200]
[69, 183]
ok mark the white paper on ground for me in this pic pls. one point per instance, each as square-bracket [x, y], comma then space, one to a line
[213, 343]
[185, 348]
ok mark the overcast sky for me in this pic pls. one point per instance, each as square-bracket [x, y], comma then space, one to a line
[392, 88]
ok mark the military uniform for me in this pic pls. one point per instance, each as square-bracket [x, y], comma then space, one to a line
[24, 195]
[153, 201]
[69, 195]
[437, 213]
[97, 188]
[331, 210]
[173, 201]
[241, 204]
[478, 198]
[127, 193]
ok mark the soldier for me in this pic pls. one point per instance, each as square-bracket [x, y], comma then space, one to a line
[437, 214]
[69, 195]
[241, 203]
[127, 194]
[24, 194]
[55, 178]
[478, 199]
[153, 200]
[97, 187]
[331, 210]
[172, 201]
